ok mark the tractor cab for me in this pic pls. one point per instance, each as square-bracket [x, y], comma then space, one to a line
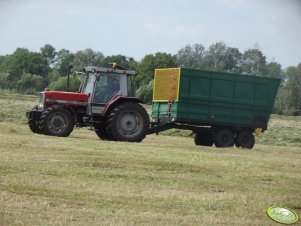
[102, 85]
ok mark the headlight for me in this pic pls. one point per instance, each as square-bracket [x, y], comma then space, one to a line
[154, 119]
[41, 101]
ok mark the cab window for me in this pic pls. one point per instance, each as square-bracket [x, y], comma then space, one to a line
[106, 87]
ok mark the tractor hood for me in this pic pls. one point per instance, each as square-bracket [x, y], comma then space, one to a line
[64, 98]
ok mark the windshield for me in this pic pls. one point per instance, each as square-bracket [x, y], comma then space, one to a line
[89, 84]
[106, 87]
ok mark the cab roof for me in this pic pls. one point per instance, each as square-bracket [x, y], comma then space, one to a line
[108, 70]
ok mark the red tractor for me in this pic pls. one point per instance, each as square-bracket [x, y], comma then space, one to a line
[105, 102]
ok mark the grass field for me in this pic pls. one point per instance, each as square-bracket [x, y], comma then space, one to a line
[165, 180]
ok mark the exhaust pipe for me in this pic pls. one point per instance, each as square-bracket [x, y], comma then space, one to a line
[68, 77]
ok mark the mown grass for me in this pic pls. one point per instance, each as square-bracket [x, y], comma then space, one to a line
[165, 180]
[14, 106]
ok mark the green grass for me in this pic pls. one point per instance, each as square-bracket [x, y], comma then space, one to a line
[165, 180]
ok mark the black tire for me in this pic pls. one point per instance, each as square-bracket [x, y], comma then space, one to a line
[34, 126]
[101, 132]
[204, 139]
[128, 121]
[224, 138]
[245, 139]
[56, 121]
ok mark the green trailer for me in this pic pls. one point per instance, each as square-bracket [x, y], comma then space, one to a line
[220, 108]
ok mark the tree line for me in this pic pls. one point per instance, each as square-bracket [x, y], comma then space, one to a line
[29, 72]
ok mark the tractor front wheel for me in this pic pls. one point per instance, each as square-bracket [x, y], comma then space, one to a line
[34, 126]
[128, 121]
[56, 121]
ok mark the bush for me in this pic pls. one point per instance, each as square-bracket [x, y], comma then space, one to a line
[30, 84]
[145, 92]
[61, 84]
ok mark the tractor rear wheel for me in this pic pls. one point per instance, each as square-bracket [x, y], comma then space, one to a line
[101, 132]
[245, 139]
[56, 121]
[204, 138]
[224, 138]
[128, 121]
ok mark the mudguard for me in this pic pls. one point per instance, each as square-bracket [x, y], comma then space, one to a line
[116, 101]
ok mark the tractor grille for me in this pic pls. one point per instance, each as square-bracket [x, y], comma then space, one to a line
[166, 84]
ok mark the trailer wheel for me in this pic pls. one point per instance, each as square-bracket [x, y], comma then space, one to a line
[245, 139]
[128, 121]
[224, 138]
[204, 139]
[56, 121]
[101, 132]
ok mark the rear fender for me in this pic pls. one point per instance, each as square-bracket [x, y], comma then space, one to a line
[118, 100]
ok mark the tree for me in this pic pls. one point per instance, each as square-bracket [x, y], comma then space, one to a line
[147, 66]
[289, 95]
[30, 84]
[61, 83]
[53, 75]
[273, 70]
[21, 62]
[2, 60]
[4, 63]
[191, 56]
[37, 64]
[215, 57]
[3, 81]
[127, 62]
[145, 92]
[294, 86]
[253, 62]
[220, 57]
[17, 64]
[48, 53]
[63, 60]
[232, 60]
[87, 57]
[7, 78]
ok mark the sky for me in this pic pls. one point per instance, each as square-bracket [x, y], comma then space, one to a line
[138, 27]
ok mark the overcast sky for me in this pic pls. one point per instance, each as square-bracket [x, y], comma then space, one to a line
[139, 27]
